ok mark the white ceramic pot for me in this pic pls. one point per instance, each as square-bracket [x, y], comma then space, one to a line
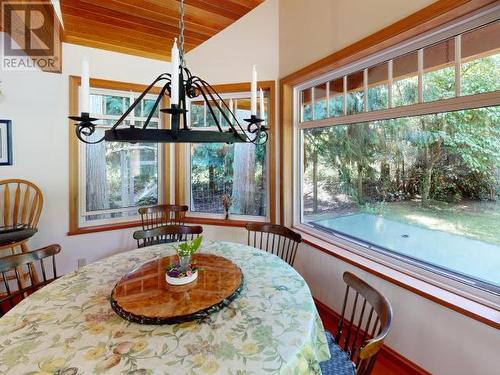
[181, 280]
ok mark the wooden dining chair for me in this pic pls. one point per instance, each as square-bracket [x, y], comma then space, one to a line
[15, 291]
[166, 234]
[21, 204]
[363, 326]
[274, 239]
[161, 215]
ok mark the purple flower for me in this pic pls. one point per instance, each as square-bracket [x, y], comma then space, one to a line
[174, 272]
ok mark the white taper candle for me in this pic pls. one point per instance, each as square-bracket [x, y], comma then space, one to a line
[85, 86]
[254, 91]
[174, 96]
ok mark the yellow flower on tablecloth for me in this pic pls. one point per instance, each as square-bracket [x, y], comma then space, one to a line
[210, 367]
[250, 348]
[53, 365]
[139, 346]
[198, 359]
[95, 329]
[95, 352]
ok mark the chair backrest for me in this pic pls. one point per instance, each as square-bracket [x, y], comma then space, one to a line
[21, 203]
[363, 334]
[166, 234]
[161, 215]
[274, 239]
[26, 263]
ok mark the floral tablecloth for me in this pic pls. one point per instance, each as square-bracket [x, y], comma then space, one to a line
[68, 327]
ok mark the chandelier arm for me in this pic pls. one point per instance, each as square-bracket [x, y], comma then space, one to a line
[161, 77]
[81, 128]
[200, 87]
[246, 137]
[211, 91]
[157, 102]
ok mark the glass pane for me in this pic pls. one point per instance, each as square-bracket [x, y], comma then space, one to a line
[120, 175]
[197, 112]
[306, 105]
[378, 94]
[116, 105]
[336, 105]
[96, 104]
[237, 170]
[405, 80]
[213, 116]
[147, 106]
[481, 60]
[355, 93]
[320, 102]
[439, 71]
[406, 183]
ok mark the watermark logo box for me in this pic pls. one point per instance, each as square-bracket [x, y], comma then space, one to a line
[30, 37]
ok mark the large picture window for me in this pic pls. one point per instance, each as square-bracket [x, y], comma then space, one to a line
[405, 160]
[236, 170]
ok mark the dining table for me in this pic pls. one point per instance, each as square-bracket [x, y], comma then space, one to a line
[69, 326]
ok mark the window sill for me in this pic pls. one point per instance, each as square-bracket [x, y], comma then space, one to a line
[137, 223]
[104, 228]
[218, 222]
[443, 297]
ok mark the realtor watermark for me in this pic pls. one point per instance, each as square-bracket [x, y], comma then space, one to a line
[29, 37]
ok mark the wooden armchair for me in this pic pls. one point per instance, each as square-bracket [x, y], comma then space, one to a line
[357, 341]
[166, 234]
[161, 215]
[21, 204]
[274, 239]
[14, 292]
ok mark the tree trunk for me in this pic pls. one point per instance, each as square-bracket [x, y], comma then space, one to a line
[360, 194]
[97, 185]
[243, 179]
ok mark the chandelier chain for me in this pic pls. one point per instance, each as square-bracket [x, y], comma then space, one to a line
[181, 36]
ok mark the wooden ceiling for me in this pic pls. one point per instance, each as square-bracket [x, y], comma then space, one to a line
[147, 27]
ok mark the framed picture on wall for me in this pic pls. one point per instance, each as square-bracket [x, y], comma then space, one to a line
[5, 142]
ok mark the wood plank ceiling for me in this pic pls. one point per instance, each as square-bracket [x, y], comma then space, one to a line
[147, 27]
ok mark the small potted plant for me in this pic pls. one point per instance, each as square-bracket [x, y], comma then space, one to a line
[183, 272]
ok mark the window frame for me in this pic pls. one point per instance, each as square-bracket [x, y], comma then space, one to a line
[183, 166]
[293, 85]
[76, 193]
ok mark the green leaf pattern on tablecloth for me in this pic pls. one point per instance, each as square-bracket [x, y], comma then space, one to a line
[68, 327]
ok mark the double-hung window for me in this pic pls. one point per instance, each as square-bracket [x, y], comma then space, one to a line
[117, 178]
[398, 156]
[238, 171]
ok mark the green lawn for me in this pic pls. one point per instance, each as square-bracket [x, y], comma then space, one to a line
[477, 220]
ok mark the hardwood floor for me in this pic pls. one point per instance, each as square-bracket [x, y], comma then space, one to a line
[388, 362]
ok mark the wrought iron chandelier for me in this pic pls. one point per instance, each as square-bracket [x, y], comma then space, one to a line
[185, 86]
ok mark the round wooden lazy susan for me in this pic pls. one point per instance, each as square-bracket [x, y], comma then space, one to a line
[143, 296]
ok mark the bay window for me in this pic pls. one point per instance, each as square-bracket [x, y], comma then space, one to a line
[403, 164]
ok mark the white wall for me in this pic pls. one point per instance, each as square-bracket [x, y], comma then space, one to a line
[228, 56]
[311, 30]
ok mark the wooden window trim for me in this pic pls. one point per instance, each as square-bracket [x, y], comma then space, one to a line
[181, 167]
[74, 227]
[428, 18]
